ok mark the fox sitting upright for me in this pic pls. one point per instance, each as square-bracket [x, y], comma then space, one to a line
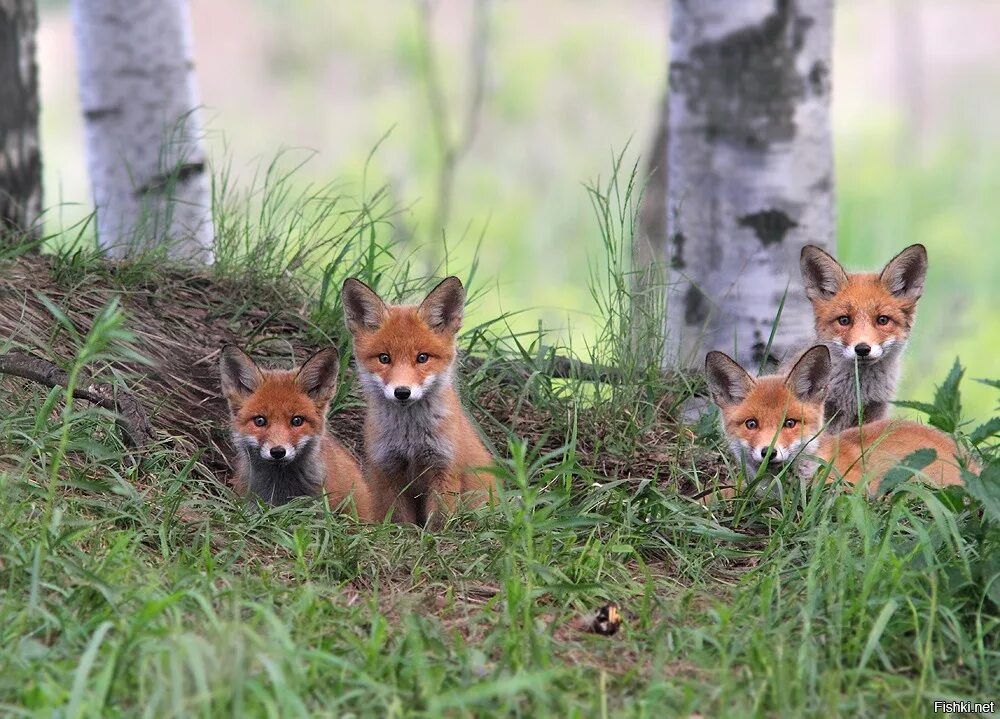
[422, 453]
[865, 319]
[779, 419]
[279, 431]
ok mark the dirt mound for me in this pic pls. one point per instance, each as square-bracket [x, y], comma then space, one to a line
[181, 317]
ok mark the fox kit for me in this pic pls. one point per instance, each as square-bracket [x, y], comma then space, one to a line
[779, 418]
[283, 449]
[421, 450]
[865, 320]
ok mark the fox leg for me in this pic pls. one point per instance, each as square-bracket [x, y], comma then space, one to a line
[442, 498]
[387, 497]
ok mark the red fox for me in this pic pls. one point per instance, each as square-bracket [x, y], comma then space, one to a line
[779, 418]
[279, 431]
[422, 452]
[865, 320]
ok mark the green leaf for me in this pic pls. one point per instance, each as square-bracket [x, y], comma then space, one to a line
[948, 400]
[907, 467]
[990, 382]
[985, 431]
[986, 489]
[919, 406]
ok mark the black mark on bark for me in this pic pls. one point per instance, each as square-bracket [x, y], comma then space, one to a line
[768, 364]
[745, 84]
[179, 174]
[770, 226]
[819, 78]
[696, 306]
[677, 254]
[99, 113]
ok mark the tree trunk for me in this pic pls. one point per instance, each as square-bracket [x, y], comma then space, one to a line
[144, 153]
[750, 176]
[20, 159]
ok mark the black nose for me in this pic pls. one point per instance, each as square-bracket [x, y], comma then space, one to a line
[763, 452]
[862, 350]
[402, 393]
[277, 452]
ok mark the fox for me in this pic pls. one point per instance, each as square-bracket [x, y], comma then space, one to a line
[279, 431]
[422, 454]
[865, 320]
[779, 420]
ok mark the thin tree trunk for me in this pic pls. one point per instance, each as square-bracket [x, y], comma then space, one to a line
[751, 172]
[20, 158]
[145, 158]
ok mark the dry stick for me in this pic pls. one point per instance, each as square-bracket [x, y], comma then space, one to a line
[132, 421]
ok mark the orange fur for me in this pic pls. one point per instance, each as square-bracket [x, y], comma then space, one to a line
[423, 454]
[781, 418]
[278, 396]
[874, 448]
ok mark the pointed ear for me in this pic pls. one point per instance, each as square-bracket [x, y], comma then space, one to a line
[905, 273]
[442, 308]
[728, 383]
[318, 375]
[240, 376]
[364, 310]
[822, 276]
[810, 376]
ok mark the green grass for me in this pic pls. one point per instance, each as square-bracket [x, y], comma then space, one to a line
[146, 590]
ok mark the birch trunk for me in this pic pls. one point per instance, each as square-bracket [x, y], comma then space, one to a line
[750, 177]
[145, 157]
[20, 158]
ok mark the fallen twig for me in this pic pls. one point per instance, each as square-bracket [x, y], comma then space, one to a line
[132, 420]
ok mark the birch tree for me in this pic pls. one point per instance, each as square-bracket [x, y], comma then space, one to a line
[20, 158]
[145, 157]
[750, 177]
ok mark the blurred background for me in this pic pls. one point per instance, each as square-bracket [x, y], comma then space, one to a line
[540, 96]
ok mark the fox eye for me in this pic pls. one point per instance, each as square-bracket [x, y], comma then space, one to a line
[883, 319]
[751, 424]
[790, 423]
[844, 320]
[260, 420]
[384, 358]
[297, 420]
[421, 358]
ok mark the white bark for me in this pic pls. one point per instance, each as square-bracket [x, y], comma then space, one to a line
[145, 158]
[750, 177]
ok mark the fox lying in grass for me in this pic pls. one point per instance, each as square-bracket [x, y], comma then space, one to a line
[283, 449]
[779, 419]
[422, 453]
[865, 319]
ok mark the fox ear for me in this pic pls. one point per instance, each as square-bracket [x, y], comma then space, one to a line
[905, 273]
[442, 308]
[810, 376]
[240, 376]
[822, 276]
[728, 383]
[363, 308]
[318, 375]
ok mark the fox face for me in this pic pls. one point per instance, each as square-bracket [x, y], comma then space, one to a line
[773, 417]
[278, 416]
[404, 353]
[864, 316]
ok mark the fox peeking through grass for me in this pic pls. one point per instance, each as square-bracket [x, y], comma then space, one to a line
[422, 453]
[779, 419]
[864, 319]
[283, 449]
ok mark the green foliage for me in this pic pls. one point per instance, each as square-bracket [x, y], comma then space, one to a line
[946, 411]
